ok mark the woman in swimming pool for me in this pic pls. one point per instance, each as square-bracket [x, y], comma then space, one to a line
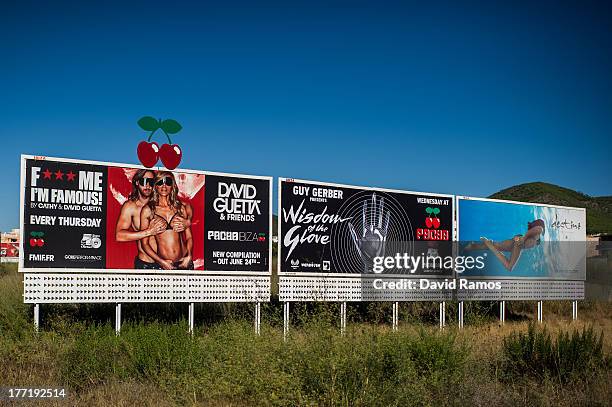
[514, 246]
[175, 244]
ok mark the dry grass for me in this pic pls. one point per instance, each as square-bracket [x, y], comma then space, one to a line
[228, 365]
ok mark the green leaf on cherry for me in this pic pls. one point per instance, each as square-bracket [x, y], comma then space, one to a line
[148, 123]
[436, 211]
[428, 210]
[171, 126]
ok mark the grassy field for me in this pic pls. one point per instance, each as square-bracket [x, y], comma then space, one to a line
[155, 362]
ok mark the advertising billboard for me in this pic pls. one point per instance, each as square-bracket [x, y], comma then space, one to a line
[522, 240]
[9, 249]
[346, 230]
[92, 216]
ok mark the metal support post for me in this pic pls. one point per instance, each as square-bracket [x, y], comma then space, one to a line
[257, 318]
[36, 317]
[285, 320]
[118, 319]
[540, 311]
[395, 315]
[442, 314]
[191, 317]
[342, 318]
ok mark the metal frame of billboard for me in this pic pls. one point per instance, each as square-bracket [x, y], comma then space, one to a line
[57, 288]
[311, 286]
[520, 287]
[350, 289]
[62, 285]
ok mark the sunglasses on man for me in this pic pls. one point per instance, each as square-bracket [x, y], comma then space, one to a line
[164, 181]
[146, 181]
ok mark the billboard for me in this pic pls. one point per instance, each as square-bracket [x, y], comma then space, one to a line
[9, 250]
[346, 230]
[92, 216]
[522, 240]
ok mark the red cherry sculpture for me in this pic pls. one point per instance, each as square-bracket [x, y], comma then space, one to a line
[170, 155]
[148, 153]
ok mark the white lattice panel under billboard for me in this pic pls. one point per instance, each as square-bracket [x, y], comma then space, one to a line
[89, 288]
[298, 288]
[526, 290]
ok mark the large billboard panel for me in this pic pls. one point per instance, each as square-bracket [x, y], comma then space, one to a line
[339, 229]
[522, 240]
[91, 216]
[9, 249]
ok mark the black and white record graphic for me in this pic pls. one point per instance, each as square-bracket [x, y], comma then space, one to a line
[377, 223]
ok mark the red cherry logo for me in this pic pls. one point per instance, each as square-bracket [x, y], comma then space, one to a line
[428, 222]
[436, 223]
[33, 242]
[148, 153]
[41, 242]
[170, 155]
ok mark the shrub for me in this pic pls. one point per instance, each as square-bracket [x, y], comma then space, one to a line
[15, 316]
[94, 357]
[228, 363]
[536, 355]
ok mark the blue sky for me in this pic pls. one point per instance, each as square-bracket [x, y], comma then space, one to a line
[448, 98]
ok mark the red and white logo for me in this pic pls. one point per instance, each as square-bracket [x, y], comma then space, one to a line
[432, 221]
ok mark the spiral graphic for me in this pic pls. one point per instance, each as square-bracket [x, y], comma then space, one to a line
[367, 209]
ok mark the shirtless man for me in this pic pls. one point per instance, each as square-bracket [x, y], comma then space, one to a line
[174, 245]
[128, 224]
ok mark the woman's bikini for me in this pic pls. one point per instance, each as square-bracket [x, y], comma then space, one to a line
[168, 226]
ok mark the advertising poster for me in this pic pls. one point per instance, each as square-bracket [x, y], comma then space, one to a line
[64, 215]
[127, 211]
[521, 240]
[237, 223]
[329, 228]
[9, 249]
[86, 215]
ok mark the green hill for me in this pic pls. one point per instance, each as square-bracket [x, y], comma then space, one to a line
[599, 209]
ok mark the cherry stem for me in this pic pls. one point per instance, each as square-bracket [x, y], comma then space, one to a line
[169, 141]
[153, 132]
[151, 135]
